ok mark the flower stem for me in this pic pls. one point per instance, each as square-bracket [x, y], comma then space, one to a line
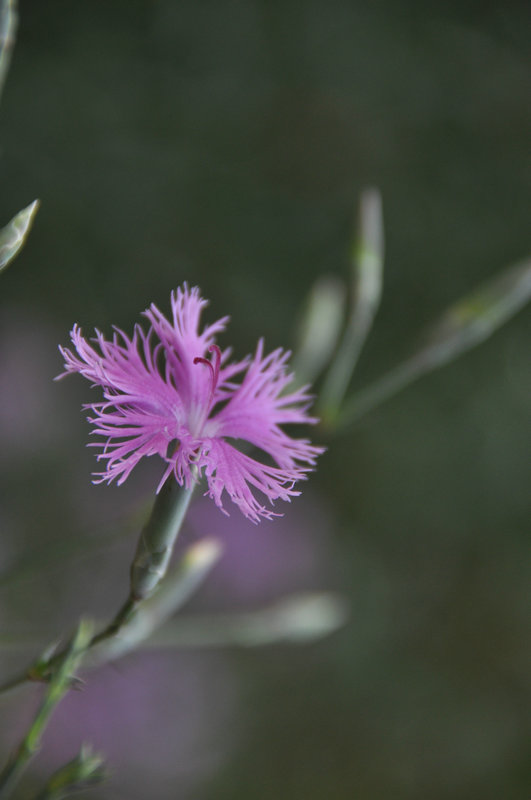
[152, 556]
[150, 563]
[153, 552]
[367, 274]
[12, 683]
[153, 612]
[463, 326]
[378, 392]
[157, 539]
[82, 772]
[60, 683]
[8, 27]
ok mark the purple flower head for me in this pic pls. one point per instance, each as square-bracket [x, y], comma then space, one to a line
[171, 392]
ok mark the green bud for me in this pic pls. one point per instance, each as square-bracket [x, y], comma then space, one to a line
[85, 770]
[13, 236]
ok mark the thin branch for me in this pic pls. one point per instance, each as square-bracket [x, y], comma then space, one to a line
[153, 553]
[367, 269]
[8, 29]
[60, 683]
[463, 326]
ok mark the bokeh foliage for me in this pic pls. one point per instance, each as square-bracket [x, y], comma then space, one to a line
[226, 143]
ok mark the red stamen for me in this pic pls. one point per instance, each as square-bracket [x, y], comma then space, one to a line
[213, 365]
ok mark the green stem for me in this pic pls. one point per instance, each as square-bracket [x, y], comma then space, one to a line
[298, 618]
[378, 392]
[59, 685]
[153, 612]
[463, 326]
[82, 772]
[153, 553]
[8, 27]
[157, 539]
[12, 683]
[367, 258]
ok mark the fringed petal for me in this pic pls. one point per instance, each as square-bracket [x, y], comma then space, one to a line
[160, 387]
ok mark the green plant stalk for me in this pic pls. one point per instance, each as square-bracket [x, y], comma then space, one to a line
[157, 539]
[300, 619]
[84, 771]
[13, 236]
[153, 552]
[319, 330]
[150, 563]
[152, 613]
[367, 269]
[365, 400]
[60, 684]
[462, 327]
[178, 586]
[8, 29]
[13, 683]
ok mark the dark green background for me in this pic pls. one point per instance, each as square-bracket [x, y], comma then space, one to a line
[226, 144]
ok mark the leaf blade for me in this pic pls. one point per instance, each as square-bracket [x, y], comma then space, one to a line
[13, 236]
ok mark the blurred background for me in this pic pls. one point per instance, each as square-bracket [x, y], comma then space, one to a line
[226, 144]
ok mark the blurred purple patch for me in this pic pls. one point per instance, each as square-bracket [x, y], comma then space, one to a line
[259, 565]
[161, 719]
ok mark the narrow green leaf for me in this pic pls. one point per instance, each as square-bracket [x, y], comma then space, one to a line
[474, 318]
[84, 771]
[178, 586]
[367, 279]
[14, 235]
[464, 325]
[319, 329]
[8, 28]
[60, 683]
[296, 620]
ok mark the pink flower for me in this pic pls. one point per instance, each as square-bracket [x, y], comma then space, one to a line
[167, 398]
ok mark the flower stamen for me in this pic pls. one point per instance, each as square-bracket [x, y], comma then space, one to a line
[214, 366]
[196, 421]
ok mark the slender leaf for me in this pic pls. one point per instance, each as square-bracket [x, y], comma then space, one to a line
[464, 325]
[319, 330]
[178, 586]
[83, 772]
[59, 685]
[8, 28]
[296, 620]
[14, 235]
[367, 278]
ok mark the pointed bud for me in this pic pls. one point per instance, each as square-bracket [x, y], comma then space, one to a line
[13, 236]
[319, 329]
[84, 771]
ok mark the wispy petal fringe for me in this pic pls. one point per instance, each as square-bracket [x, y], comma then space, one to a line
[172, 385]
